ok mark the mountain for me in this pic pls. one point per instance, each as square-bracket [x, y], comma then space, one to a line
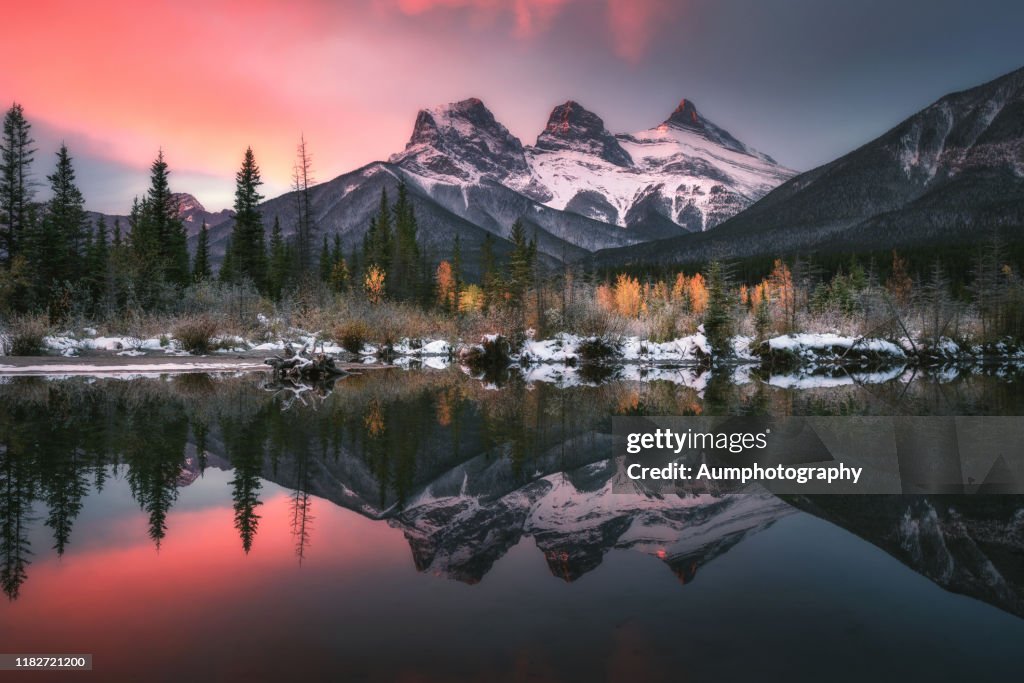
[951, 173]
[686, 174]
[578, 190]
[194, 214]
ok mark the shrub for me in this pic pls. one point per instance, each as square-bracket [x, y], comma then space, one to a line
[352, 335]
[25, 337]
[195, 334]
[491, 357]
[596, 349]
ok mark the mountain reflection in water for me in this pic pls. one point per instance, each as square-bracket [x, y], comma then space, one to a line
[232, 473]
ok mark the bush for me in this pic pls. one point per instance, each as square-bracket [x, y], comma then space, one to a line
[195, 334]
[25, 337]
[596, 349]
[491, 357]
[352, 335]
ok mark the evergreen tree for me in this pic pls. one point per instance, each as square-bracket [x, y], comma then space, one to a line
[277, 271]
[56, 248]
[406, 278]
[158, 238]
[227, 270]
[16, 155]
[325, 261]
[521, 263]
[201, 261]
[718, 319]
[164, 213]
[377, 244]
[490, 281]
[248, 243]
[99, 268]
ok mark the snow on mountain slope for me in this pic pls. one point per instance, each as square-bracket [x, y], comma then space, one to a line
[685, 170]
[686, 174]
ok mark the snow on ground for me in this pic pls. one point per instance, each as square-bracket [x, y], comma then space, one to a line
[816, 343]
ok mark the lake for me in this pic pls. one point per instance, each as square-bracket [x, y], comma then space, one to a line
[420, 524]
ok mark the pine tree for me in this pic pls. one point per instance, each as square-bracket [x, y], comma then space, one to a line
[277, 272]
[406, 277]
[226, 273]
[201, 261]
[490, 281]
[325, 261]
[521, 263]
[99, 268]
[718, 319]
[248, 242]
[158, 238]
[56, 248]
[16, 155]
[377, 244]
[164, 213]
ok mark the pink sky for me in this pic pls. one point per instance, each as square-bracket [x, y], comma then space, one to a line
[802, 80]
[205, 79]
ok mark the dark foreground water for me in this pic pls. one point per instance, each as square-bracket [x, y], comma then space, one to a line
[427, 526]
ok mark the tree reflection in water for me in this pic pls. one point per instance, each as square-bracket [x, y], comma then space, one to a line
[439, 454]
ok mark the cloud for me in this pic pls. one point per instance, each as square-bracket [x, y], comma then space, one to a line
[631, 23]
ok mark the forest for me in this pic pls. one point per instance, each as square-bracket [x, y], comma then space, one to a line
[65, 271]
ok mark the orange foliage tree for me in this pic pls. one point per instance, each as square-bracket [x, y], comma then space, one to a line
[374, 284]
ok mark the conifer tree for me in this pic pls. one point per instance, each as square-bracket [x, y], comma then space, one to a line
[248, 242]
[201, 261]
[99, 268]
[377, 244]
[16, 155]
[718, 319]
[521, 262]
[325, 261]
[278, 267]
[58, 254]
[406, 278]
[490, 281]
[163, 211]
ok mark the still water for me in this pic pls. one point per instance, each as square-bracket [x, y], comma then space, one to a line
[422, 525]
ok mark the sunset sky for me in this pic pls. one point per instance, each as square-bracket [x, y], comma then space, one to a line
[803, 80]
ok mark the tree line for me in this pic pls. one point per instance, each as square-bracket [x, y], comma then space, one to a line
[55, 257]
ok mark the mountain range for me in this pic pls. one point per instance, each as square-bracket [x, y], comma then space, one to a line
[950, 174]
[685, 190]
[579, 189]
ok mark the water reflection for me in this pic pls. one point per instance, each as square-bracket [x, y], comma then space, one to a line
[465, 469]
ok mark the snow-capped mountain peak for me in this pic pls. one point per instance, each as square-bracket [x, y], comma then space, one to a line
[573, 128]
[685, 175]
[462, 141]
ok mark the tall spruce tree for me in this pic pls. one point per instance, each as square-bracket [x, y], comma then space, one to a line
[325, 261]
[248, 242]
[521, 263]
[60, 254]
[405, 275]
[100, 273]
[165, 214]
[158, 238]
[277, 269]
[201, 261]
[490, 280]
[377, 244]
[16, 155]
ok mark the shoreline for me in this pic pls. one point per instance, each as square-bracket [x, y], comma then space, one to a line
[101, 364]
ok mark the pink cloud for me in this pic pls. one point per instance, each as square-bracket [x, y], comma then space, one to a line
[632, 23]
